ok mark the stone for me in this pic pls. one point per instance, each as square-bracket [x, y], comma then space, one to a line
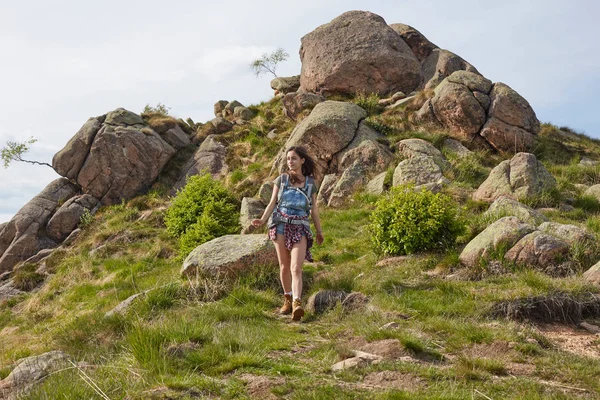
[41, 255]
[365, 149]
[209, 157]
[571, 234]
[419, 170]
[456, 148]
[511, 108]
[8, 291]
[230, 255]
[176, 138]
[286, 85]
[505, 137]
[377, 184]
[353, 178]
[67, 217]
[440, 64]
[458, 110]
[295, 103]
[326, 188]
[219, 107]
[592, 275]
[72, 237]
[398, 96]
[355, 301]
[503, 233]
[400, 102]
[123, 117]
[411, 148]
[32, 370]
[265, 192]
[593, 191]
[390, 325]
[122, 307]
[251, 209]
[335, 59]
[539, 250]
[24, 235]
[521, 177]
[328, 129]
[68, 161]
[587, 162]
[418, 43]
[505, 206]
[221, 125]
[474, 82]
[243, 112]
[229, 108]
[361, 360]
[325, 300]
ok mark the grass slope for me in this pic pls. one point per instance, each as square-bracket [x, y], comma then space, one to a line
[214, 339]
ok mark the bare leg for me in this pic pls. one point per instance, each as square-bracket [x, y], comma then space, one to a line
[297, 259]
[283, 255]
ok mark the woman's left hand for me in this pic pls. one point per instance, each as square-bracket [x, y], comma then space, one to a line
[320, 238]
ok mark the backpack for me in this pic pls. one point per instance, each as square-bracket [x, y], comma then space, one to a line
[310, 182]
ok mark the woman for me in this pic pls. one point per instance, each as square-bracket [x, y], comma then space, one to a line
[294, 194]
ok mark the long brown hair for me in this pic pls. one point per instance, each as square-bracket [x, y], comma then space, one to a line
[309, 166]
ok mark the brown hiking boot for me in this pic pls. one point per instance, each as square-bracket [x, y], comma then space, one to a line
[298, 311]
[286, 308]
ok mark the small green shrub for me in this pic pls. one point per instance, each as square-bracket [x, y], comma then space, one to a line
[370, 102]
[86, 219]
[406, 221]
[202, 211]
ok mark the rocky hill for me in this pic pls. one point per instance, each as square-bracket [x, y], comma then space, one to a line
[98, 298]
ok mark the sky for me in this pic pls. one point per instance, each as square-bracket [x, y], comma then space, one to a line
[63, 61]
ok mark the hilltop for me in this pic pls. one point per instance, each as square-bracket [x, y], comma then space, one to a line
[92, 278]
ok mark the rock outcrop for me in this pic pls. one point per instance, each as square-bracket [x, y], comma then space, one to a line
[286, 85]
[505, 206]
[25, 234]
[67, 217]
[473, 108]
[113, 157]
[335, 59]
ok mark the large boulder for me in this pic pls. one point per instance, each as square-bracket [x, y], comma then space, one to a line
[418, 43]
[210, 157]
[328, 129]
[67, 217]
[501, 235]
[230, 255]
[456, 107]
[521, 177]
[592, 275]
[504, 206]
[540, 251]
[114, 159]
[25, 234]
[335, 59]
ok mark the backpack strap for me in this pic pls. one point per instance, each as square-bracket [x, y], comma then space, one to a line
[310, 182]
[282, 186]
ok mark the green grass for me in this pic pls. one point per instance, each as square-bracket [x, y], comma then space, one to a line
[203, 338]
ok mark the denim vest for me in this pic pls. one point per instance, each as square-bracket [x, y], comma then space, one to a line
[293, 201]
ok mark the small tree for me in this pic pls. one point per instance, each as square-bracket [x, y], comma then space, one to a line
[13, 151]
[268, 62]
[158, 109]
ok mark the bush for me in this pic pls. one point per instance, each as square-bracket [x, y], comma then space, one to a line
[202, 211]
[406, 221]
[370, 103]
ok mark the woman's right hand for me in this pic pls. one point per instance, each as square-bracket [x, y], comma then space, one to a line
[257, 222]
